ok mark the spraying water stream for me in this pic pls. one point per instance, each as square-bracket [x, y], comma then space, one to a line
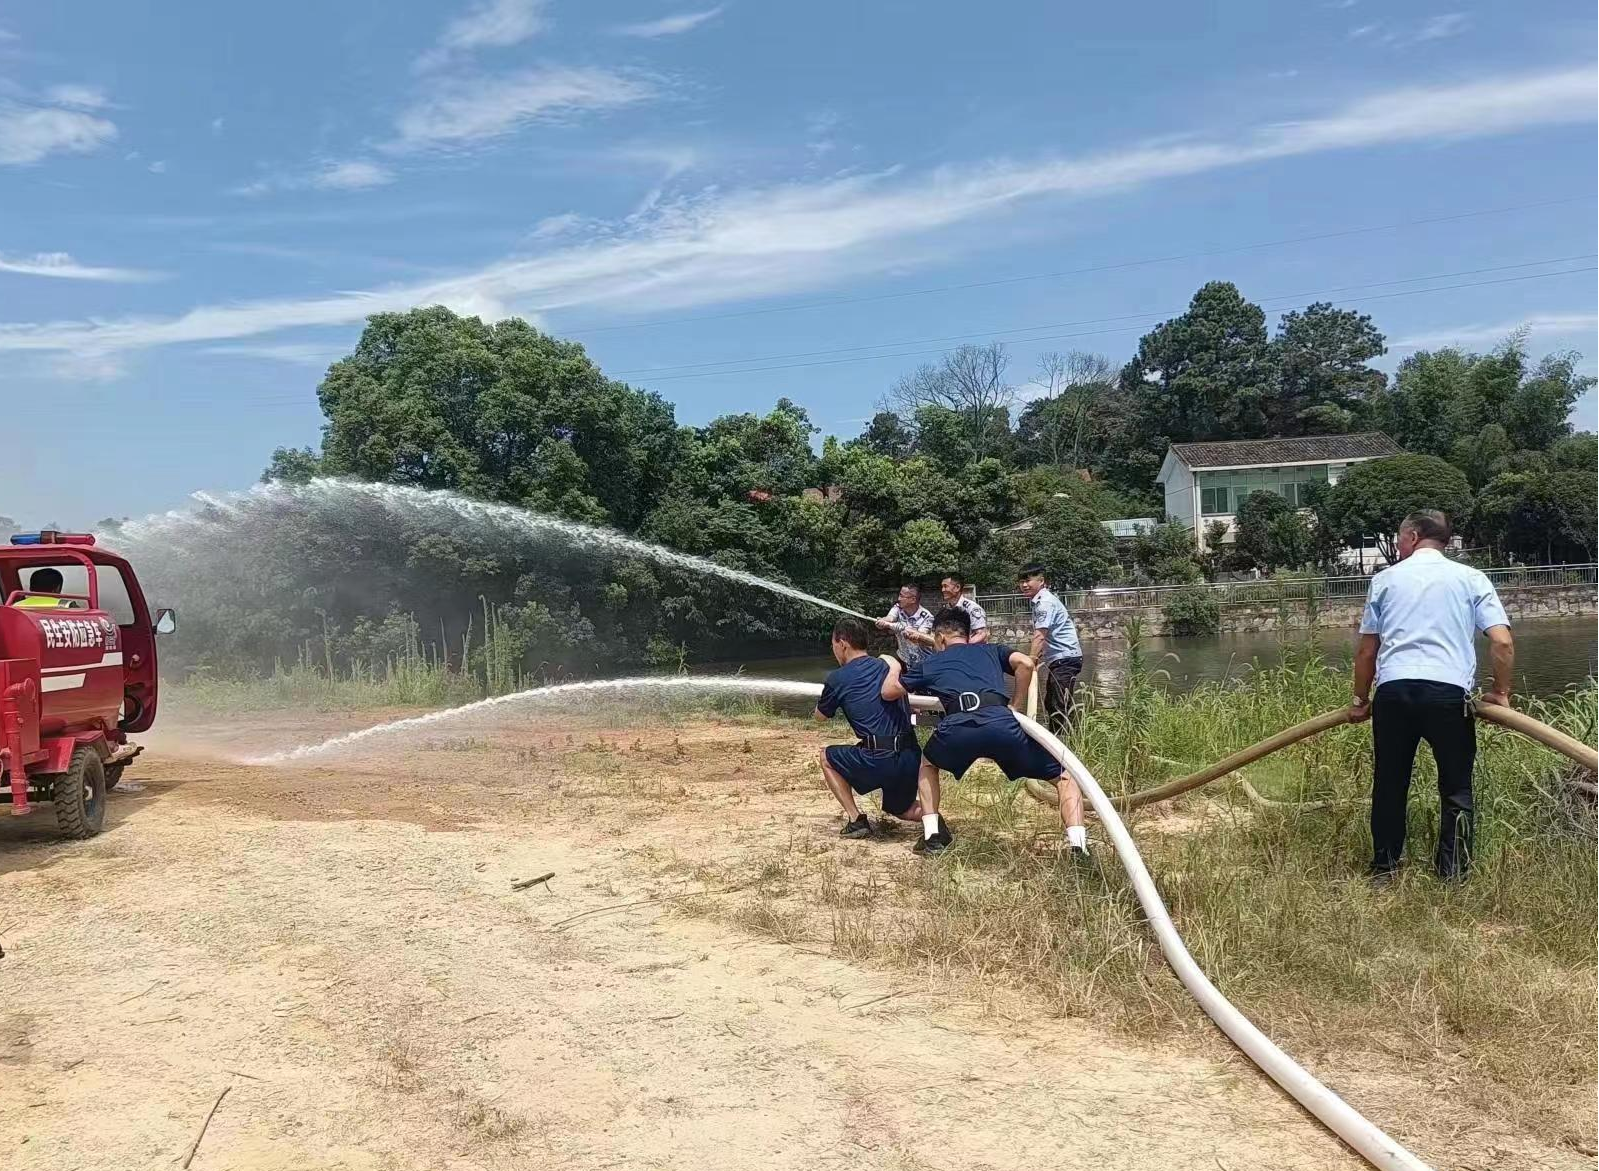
[537, 695]
[438, 508]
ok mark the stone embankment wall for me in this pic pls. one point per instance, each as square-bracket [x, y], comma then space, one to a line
[1522, 603]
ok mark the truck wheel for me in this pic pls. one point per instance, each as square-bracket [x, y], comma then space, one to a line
[113, 775]
[79, 795]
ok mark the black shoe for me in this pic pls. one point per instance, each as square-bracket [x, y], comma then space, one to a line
[859, 828]
[938, 843]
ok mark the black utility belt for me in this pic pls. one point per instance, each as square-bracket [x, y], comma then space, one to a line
[970, 701]
[900, 743]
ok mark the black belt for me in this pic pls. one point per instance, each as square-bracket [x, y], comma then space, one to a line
[898, 743]
[970, 701]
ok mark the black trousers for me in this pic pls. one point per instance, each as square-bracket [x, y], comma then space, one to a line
[1405, 712]
[1060, 683]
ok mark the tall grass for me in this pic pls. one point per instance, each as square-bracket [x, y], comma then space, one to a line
[1495, 975]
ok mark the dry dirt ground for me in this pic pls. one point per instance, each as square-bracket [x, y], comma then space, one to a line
[338, 945]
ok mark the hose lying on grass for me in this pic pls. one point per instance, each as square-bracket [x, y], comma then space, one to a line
[1368, 1140]
[1505, 717]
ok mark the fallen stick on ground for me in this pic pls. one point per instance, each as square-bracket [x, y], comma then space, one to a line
[189, 1158]
[880, 999]
[524, 883]
[644, 903]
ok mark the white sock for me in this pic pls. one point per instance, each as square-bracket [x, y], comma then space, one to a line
[929, 824]
[1077, 835]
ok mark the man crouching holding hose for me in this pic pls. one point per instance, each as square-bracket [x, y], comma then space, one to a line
[980, 721]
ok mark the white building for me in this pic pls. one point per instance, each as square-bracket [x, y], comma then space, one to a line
[1206, 482]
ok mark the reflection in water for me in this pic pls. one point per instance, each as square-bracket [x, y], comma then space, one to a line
[1550, 656]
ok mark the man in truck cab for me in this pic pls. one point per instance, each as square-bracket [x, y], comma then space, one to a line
[44, 588]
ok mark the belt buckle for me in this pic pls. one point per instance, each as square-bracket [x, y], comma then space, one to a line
[977, 701]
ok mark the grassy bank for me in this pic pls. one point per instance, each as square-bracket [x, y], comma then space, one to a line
[1488, 985]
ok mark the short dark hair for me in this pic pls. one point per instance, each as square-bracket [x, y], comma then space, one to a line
[1429, 524]
[953, 620]
[46, 581]
[851, 631]
[956, 578]
[1034, 569]
[913, 587]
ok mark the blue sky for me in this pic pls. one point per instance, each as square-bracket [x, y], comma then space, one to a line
[201, 201]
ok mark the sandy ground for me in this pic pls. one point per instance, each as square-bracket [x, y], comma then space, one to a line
[338, 945]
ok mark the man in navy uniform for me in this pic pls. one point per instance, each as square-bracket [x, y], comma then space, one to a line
[969, 680]
[1416, 641]
[887, 757]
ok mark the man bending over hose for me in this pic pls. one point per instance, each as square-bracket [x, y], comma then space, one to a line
[979, 721]
[887, 756]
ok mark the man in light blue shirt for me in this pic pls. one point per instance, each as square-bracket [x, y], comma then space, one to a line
[1055, 647]
[907, 618]
[1417, 642]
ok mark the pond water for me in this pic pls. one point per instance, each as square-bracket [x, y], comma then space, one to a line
[1551, 655]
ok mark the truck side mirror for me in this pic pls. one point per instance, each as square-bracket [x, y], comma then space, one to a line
[166, 621]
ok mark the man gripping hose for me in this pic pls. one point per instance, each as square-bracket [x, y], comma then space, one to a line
[1417, 643]
[979, 721]
[887, 757]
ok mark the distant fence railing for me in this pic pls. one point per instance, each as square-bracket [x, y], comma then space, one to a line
[1276, 590]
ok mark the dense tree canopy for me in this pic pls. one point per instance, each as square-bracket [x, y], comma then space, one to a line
[506, 413]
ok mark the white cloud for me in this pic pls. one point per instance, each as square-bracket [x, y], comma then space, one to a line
[61, 266]
[31, 133]
[1282, 74]
[355, 175]
[297, 353]
[728, 245]
[487, 24]
[556, 225]
[462, 111]
[159, 167]
[79, 97]
[668, 26]
[1436, 28]
[350, 175]
[216, 125]
[1541, 324]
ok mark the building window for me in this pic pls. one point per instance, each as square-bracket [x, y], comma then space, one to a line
[1212, 501]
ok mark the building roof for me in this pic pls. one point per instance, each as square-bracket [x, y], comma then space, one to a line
[1307, 449]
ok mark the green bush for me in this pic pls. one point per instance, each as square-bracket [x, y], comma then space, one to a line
[1192, 610]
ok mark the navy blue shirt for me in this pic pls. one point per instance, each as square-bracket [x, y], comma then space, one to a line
[966, 666]
[857, 687]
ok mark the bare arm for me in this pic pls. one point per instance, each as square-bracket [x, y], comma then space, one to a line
[919, 638]
[1365, 672]
[1023, 668]
[1502, 648]
[979, 636]
[1037, 649]
[892, 688]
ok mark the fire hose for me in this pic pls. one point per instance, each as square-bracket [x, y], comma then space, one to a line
[1492, 713]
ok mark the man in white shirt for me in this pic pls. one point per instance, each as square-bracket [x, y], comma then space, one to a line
[906, 618]
[1417, 642]
[1055, 647]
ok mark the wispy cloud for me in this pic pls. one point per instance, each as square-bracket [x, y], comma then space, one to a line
[462, 112]
[350, 175]
[297, 353]
[29, 133]
[1434, 28]
[556, 225]
[487, 24]
[61, 266]
[1539, 324]
[728, 245]
[78, 97]
[668, 26]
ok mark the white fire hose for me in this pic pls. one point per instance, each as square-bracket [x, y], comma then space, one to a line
[1376, 1147]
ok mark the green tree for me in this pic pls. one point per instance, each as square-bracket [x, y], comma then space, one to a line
[887, 435]
[1374, 497]
[1575, 453]
[1272, 534]
[1482, 456]
[1207, 374]
[1166, 555]
[1325, 384]
[1077, 551]
[1547, 518]
[923, 548]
